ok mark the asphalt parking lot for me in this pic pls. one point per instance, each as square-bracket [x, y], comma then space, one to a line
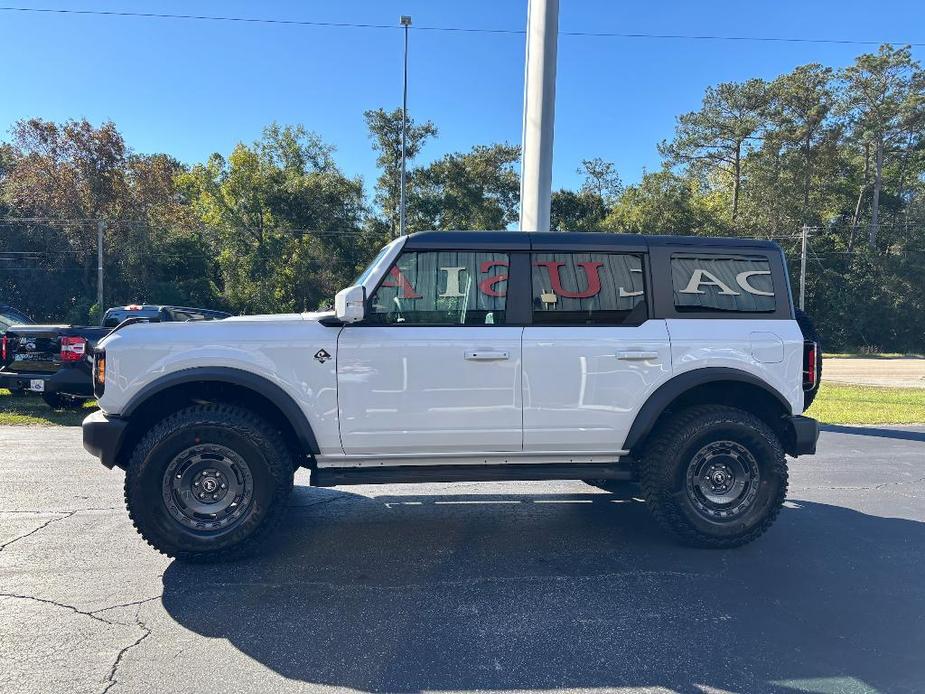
[508, 587]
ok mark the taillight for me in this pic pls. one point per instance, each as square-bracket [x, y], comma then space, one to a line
[73, 348]
[810, 365]
[3, 348]
[99, 373]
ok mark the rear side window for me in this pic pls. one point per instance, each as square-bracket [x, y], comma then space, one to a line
[443, 288]
[722, 283]
[588, 288]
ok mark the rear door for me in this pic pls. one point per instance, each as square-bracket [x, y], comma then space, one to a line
[435, 368]
[592, 355]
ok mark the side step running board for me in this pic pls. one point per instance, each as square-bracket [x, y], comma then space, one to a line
[332, 477]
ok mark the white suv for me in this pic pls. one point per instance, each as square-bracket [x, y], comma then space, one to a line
[674, 362]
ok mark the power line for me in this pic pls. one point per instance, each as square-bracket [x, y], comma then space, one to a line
[452, 29]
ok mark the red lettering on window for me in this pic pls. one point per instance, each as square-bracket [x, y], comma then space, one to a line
[591, 272]
[487, 285]
[400, 281]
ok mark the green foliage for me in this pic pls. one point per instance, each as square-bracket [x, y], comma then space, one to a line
[385, 131]
[475, 190]
[276, 209]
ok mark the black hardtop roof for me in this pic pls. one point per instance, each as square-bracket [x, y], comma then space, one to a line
[573, 241]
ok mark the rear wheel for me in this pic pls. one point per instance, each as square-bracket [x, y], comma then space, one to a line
[208, 483]
[714, 476]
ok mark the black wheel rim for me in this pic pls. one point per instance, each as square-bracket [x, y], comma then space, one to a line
[208, 487]
[723, 481]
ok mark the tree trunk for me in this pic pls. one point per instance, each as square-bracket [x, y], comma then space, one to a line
[856, 219]
[875, 202]
[735, 183]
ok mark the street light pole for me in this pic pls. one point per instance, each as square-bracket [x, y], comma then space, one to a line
[539, 114]
[402, 216]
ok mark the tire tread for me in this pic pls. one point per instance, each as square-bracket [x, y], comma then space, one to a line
[247, 425]
[655, 474]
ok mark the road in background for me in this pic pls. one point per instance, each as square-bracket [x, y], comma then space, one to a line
[896, 373]
[497, 586]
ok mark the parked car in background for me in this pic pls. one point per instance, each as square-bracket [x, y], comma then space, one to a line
[54, 360]
[159, 314]
[11, 316]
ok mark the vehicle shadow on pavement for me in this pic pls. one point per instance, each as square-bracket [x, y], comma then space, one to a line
[902, 434]
[541, 591]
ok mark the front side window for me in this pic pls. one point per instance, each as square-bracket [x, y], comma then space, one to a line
[588, 288]
[718, 283]
[443, 288]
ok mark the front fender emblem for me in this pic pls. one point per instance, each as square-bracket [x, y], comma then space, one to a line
[322, 356]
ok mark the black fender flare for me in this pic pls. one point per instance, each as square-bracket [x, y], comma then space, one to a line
[237, 377]
[676, 386]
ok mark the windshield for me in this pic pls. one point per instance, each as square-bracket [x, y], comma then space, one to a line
[9, 316]
[369, 268]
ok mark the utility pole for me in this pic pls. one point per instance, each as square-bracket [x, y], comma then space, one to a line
[803, 268]
[100, 228]
[402, 216]
[539, 114]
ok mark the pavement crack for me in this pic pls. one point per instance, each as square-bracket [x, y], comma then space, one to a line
[63, 605]
[34, 531]
[126, 604]
[111, 680]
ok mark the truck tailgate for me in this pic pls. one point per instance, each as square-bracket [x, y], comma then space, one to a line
[33, 348]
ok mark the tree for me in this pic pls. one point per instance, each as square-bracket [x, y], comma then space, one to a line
[577, 211]
[715, 137]
[801, 103]
[479, 189]
[385, 130]
[601, 179]
[586, 209]
[885, 102]
[664, 203]
[68, 176]
[287, 221]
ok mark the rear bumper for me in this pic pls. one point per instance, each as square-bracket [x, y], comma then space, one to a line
[103, 437]
[804, 432]
[72, 380]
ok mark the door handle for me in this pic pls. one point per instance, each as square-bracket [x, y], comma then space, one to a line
[486, 355]
[637, 356]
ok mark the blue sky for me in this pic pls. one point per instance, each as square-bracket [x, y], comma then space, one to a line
[191, 88]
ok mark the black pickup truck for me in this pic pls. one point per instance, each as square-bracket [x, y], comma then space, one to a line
[56, 360]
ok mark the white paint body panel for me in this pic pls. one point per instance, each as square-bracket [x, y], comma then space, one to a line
[412, 389]
[731, 343]
[583, 385]
[278, 348]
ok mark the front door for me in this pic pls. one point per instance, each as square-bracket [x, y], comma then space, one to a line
[433, 368]
[591, 356]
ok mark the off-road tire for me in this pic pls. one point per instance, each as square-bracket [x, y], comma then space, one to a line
[62, 401]
[673, 448]
[239, 430]
[808, 328]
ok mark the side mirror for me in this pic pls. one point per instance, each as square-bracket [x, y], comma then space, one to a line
[350, 304]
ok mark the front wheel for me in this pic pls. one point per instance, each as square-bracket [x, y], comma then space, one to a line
[714, 476]
[208, 483]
